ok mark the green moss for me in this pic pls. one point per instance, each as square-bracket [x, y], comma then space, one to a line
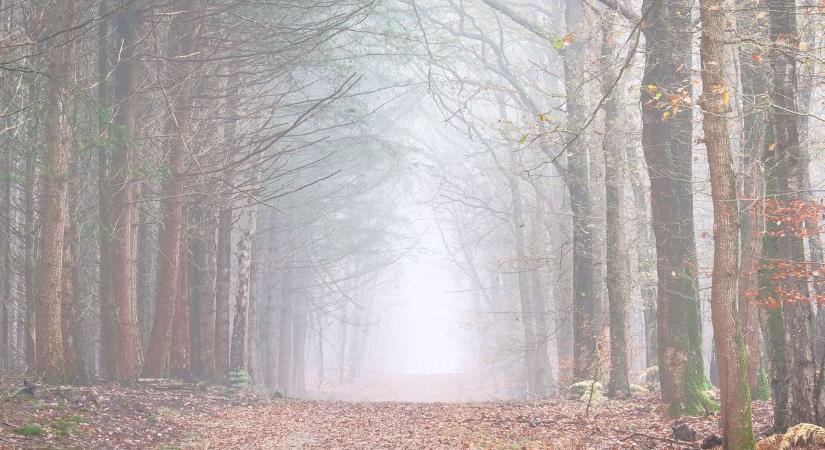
[763, 387]
[30, 430]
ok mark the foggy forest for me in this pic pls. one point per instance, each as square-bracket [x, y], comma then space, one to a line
[412, 224]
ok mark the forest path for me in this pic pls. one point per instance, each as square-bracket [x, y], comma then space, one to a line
[288, 424]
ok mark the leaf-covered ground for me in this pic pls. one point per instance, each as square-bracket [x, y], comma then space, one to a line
[164, 416]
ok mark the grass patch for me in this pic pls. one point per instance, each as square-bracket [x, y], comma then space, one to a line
[64, 425]
[30, 430]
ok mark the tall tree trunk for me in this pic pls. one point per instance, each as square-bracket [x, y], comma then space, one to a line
[666, 140]
[180, 351]
[50, 360]
[160, 339]
[285, 314]
[736, 420]
[789, 188]
[299, 343]
[755, 116]
[247, 224]
[222, 279]
[122, 347]
[535, 386]
[30, 249]
[205, 265]
[544, 371]
[585, 328]
[223, 255]
[108, 316]
[617, 270]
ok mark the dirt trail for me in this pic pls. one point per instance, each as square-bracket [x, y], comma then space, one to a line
[632, 424]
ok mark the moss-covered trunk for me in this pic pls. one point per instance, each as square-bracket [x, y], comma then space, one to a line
[666, 140]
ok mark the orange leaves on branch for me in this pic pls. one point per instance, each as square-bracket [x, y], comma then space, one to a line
[789, 279]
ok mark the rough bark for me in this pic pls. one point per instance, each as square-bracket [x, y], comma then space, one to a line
[789, 187]
[180, 351]
[666, 141]
[50, 359]
[736, 421]
[616, 255]
[122, 353]
[160, 340]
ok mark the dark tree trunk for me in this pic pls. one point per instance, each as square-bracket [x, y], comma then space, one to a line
[121, 346]
[666, 140]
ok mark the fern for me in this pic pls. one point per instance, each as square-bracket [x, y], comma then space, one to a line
[240, 378]
[802, 435]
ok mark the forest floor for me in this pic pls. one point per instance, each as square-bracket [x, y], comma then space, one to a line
[170, 416]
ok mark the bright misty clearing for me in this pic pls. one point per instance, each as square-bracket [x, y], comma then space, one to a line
[412, 224]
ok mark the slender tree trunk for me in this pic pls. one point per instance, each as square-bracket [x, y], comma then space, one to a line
[160, 339]
[666, 140]
[285, 347]
[755, 113]
[206, 291]
[617, 270]
[30, 253]
[299, 343]
[222, 278]
[223, 255]
[544, 371]
[247, 224]
[108, 316]
[585, 326]
[534, 386]
[180, 351]
[736, 420]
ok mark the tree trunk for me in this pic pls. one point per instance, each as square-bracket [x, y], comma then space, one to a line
[222, 279]
[50, 359]
[789, 188]
[122, 347]
[585, 328]
[755, 113]
[736, 421]
[617, 270]
[285, 314]
[160, 340]
[180, 352]
[535, 387]
[247, 224]
[666, 141]
[205, 288]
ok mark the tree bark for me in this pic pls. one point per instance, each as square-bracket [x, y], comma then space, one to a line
[736, 421]
[616, 256]
[160, 340]
[789, 188]
[247, 224]
[755, 117]
[122, 346]
[50, 359]
[666, 141]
